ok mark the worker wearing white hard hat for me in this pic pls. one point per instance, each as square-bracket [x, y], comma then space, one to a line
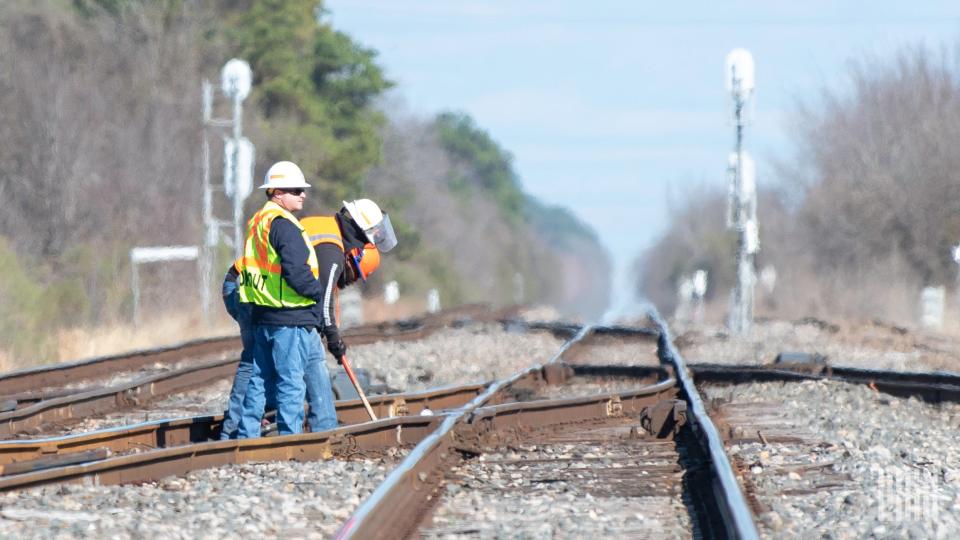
[278, 275]
[374, 223]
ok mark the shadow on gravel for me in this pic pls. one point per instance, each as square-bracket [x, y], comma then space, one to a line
[698, 494]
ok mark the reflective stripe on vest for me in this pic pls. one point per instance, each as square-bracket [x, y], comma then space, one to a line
[260, 281]
[323, 230]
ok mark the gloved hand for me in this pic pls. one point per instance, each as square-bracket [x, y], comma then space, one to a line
[338, 349]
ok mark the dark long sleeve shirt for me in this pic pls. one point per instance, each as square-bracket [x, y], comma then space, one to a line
[331, 261]
[293, 252]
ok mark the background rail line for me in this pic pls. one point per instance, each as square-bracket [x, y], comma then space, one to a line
[91, 401]
[57, 375]
[933, 387]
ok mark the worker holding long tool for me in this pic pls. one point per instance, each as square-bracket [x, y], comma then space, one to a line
[279, 276]
[347, 252]
[346, 263]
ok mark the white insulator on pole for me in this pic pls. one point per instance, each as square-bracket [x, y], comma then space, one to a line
[752, 234]
[748, 179]
[243, 169]
[738, 73]
[236, 79]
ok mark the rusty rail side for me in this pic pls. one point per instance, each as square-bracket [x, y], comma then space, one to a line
[182, 431]
[133, 393]
[555, 411]
[60, 374]
[370, 436]
[737, 517]
[35, 378]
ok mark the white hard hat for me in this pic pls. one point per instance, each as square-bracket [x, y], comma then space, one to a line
[375, 224]
[284, 174]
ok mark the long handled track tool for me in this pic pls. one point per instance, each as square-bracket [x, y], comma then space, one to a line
[356, 384]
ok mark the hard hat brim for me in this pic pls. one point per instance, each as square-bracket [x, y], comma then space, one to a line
[285, 185]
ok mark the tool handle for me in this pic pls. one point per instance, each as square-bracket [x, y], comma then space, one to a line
[356, 384]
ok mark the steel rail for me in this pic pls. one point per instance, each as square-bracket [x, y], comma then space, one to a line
[60, 374]
[733, 504]
[156, 464]
[545, 411]
[385, 508]
[132, 393]
[181, 431]
[930, 386]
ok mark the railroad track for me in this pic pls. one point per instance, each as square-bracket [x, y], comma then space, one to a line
[376, 437]
[49, 398]
[169, 433]
[626, 484]
[614, 414]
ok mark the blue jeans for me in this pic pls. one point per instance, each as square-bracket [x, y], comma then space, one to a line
[323, 414]
[240, 313]
[280, 356]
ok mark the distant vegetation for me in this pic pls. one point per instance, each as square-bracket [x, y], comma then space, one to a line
[457, 188]
[860, 217]
[101, 152]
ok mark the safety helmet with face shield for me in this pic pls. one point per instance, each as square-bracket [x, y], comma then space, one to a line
[374, 223]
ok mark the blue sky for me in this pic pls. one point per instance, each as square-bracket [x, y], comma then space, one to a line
[610, 106]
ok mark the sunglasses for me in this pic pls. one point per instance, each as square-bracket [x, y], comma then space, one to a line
[295, 191]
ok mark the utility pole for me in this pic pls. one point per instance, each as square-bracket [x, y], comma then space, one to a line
[238, 159]
[742, 209]
[955, 253]
[235, 80]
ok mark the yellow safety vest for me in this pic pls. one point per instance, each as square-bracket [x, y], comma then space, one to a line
[260, 281]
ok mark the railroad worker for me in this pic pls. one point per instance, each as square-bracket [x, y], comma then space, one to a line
[345, 253]
[278, 277]
[240, 313]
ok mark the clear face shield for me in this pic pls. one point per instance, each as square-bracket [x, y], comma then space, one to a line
[382, 235]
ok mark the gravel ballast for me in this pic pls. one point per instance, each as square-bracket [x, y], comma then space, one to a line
[501, 495]
[874, 466]
[253, 500]
[865, 345]
[609, 351]
[473, 354]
